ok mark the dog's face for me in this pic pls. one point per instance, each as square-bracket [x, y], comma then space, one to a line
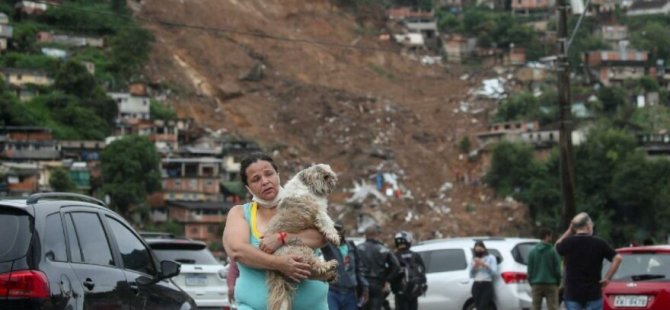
[320, 179]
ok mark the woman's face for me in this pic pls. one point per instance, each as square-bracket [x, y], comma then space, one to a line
[263, 180]
[479, 250]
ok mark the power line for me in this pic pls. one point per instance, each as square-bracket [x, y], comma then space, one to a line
[579, 22]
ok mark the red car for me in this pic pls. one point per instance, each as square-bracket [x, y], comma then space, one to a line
[642, 281]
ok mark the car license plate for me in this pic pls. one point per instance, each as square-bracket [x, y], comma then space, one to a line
[196, 280]
[623, 301]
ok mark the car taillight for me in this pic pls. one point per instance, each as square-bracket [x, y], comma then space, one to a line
[514, 277]
[24, 284]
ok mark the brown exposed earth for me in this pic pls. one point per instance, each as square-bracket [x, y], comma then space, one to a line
[284, 73]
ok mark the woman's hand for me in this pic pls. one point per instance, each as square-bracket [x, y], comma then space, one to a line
[294, 268]
[270, 244]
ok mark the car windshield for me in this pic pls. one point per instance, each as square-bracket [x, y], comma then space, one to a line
[16, 234]
[189, 257]
[644, 267]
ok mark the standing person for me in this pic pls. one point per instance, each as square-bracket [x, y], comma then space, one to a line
[243, 238]
[583, 256]
[483, 270]
[343, 294]
[412, 282]
[544, 271]
[381, 267]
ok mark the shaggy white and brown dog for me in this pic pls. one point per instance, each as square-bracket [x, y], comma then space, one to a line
[303, 206]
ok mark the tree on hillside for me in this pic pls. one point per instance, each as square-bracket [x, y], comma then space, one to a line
[13, 112]
[512, 168]
[130, 171]
[73, 78]
[654, 37]
[130, 50]
[158, 110]
[119, 6]
[612, 98]
[60, 181]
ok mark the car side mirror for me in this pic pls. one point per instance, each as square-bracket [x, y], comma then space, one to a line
[168, 270]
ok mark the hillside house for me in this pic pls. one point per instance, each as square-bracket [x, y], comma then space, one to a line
[30, 7]
[82, 150]
[202, 220]
[531, 6]
[547, 138]
[24, 143]
[515, 56]
[649, 7]
[71, 41]
[405, 13]
[80, 176]
[657, 144]
[506, 131]
[614, 34]
[19, 179]
[6, 31]
[614, 67]
[458, 48]
[427, 29]
[131, 107]
[24, 77]
[191, 179]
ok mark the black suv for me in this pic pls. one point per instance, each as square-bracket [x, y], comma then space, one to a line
[68, 251]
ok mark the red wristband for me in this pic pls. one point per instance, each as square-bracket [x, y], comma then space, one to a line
[282, 237]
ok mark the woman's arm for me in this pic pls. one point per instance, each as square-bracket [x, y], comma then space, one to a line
[309, 237]
[236, 242]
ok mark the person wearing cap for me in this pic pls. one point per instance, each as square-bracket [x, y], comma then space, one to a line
[583, 256]
[381, 267]
[412, 282]
[351, 288]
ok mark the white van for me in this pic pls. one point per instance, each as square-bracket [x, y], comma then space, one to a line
[447, 269]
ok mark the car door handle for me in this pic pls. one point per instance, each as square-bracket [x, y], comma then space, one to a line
[465, 281]
[89, 284]
[134, 288]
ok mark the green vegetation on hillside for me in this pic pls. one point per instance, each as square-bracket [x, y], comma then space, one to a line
[76, 106]
[624, 191]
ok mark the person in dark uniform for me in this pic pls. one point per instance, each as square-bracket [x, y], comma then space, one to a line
[412, 282]
[381, 267]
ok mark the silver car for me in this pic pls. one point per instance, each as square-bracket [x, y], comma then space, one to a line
[447, 269]
[202, 276]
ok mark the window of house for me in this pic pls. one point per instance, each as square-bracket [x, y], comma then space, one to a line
[54, 241]
[551, 136]
[92, 240]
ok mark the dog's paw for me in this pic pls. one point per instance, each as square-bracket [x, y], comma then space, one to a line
[333, 238]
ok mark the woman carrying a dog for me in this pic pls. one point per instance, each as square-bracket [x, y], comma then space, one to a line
[243, 239]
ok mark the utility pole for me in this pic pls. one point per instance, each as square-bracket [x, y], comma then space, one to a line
[565, 113]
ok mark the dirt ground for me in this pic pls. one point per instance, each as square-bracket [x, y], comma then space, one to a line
[283, 72]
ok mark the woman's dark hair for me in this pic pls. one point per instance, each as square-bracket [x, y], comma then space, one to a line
[252, 158]
[481, 244]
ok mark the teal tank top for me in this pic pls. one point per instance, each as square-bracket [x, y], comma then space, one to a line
[251, 292]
